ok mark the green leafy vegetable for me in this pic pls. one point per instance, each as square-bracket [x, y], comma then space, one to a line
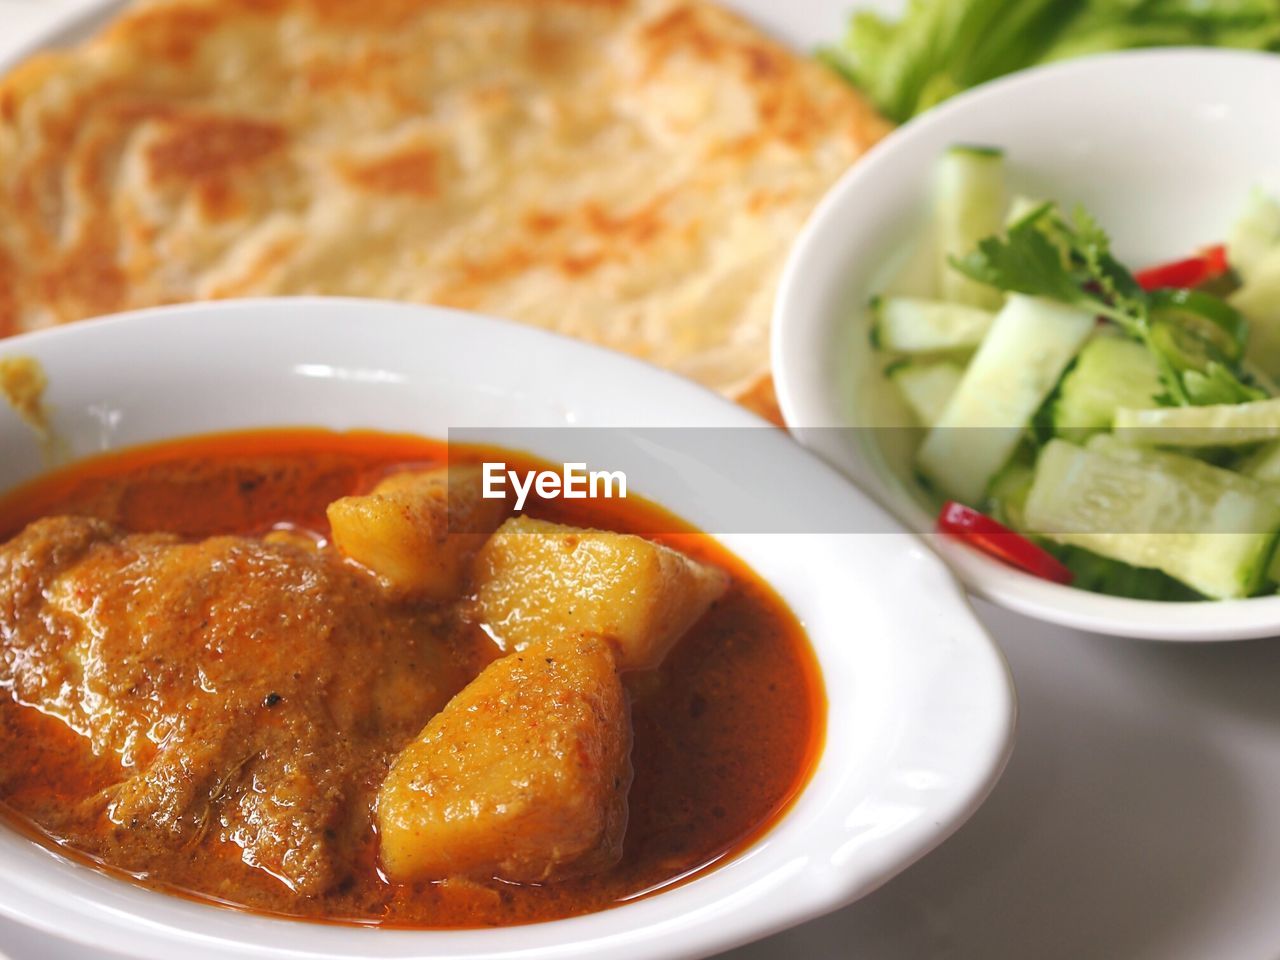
[941, 47]
[1027, 261]
[1044, 255]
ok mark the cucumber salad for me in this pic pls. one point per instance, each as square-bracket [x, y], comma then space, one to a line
[1114, 429]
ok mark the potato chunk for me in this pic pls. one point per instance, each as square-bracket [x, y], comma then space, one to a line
[419, 530]
[523, 776]
[535, 579]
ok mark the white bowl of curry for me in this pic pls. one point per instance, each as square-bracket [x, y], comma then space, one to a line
[268, 657]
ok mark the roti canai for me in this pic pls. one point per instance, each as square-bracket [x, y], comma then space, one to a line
[630, 172]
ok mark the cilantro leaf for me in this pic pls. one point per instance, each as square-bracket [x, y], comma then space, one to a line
[1045, 255]
[1092, 245]
[1024, 261]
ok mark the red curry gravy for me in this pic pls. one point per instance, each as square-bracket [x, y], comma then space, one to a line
[725, 734]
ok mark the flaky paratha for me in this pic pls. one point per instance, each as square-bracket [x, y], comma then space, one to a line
[630, 172]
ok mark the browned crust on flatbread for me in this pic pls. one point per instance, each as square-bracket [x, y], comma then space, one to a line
[626, 171]
[761, 399]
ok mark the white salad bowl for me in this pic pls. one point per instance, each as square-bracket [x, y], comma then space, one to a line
[1163, 147]
[920, 707]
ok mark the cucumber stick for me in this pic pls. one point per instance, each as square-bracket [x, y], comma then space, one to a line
[1259, 300]
[1112, 372]
[1018, 364]
[1021, 206]
[1263, 464]
[1007, 496]
[1217, 425]
[1202, 476]
[1254, 235]
[911, 325]
[1192, 469]
[916, 273]
[927, 388]
[970, 206]
[1206, 527]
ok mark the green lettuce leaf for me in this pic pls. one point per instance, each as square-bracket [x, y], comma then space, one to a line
[941, 47]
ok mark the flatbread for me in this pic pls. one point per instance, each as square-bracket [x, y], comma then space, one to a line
[630, 172]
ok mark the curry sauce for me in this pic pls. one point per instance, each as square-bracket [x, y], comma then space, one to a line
[726, 731]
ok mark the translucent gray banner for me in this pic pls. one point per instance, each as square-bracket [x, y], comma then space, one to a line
[746, 480]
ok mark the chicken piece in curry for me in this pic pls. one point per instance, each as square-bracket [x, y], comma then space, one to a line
[232, 678]
[329, 679]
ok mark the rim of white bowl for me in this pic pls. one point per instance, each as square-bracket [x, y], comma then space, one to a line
[967, 682]
[1189, 621]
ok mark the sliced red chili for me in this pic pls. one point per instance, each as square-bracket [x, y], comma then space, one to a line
[1208, 265]
[997, 540]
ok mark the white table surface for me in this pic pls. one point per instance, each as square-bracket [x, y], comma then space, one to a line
[1138, 819]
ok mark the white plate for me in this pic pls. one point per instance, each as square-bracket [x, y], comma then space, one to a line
[920, 709]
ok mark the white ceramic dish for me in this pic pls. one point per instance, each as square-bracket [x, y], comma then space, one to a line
[1162, 146]
[921, 708]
